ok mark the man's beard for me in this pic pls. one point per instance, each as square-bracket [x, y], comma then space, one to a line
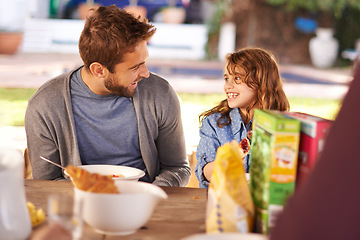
[118, 90]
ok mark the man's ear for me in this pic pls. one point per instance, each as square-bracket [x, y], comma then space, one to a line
[98, 70]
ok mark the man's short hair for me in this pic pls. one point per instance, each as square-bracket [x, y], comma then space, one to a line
[109, 33]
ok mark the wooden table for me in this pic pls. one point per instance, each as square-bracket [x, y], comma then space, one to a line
[181, 215]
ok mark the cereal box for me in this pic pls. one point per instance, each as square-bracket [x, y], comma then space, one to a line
[273, 164]
[312, 138]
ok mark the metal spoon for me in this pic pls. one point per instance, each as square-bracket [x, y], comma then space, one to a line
[52, 162]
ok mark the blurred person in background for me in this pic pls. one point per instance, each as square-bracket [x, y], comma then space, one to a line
[111, 110]
[252, 80]
[152, 7]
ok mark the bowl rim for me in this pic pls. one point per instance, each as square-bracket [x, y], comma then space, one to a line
[139, 175]
[161, 193]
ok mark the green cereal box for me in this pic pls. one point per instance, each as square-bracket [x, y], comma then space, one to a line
[273, 164]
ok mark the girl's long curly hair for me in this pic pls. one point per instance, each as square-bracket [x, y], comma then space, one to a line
[262, 75]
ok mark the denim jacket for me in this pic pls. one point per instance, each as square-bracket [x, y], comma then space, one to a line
[212, 137]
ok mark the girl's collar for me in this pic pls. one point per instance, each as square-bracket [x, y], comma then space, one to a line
[236, 121]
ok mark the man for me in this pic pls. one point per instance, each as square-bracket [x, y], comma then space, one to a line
[111, 110]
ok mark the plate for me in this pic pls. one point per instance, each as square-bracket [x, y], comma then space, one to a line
[128, 173]
[227, 236]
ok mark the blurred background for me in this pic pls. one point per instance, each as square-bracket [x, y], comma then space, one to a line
[206, 29]
[316, 43]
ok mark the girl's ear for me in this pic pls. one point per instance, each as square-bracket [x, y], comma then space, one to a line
[98, 70]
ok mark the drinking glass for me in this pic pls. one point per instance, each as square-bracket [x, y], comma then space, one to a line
[68, 212]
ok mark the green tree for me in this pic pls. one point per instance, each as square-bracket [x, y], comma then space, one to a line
[342, 15]
[335, 7]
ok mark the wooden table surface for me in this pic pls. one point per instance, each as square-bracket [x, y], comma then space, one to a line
[181, 215]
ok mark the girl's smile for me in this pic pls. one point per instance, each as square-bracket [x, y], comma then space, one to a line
[231, 95]
[239, 94]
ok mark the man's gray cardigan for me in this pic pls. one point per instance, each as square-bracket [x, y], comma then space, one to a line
[50, 130]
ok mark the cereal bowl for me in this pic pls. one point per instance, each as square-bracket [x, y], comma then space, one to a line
[123, 213]
[117, 172]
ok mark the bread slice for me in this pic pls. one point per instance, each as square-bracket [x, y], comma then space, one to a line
[90, 182]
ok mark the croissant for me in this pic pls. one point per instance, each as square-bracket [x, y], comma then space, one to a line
[90, 182]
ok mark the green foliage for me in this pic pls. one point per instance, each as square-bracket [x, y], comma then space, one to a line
[13, 102]
[342, 15]
[213, 26]
[325, 108]
[207, 100]
[336, 7]
[347, 28]
[215, 23]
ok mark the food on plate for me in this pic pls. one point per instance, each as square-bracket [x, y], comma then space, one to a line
[91, 182]
[117, 175]
[37, 216]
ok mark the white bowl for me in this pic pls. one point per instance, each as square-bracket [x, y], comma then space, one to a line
[122, 213]
[129, 173]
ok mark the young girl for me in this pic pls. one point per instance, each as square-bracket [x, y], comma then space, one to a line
[252, 80]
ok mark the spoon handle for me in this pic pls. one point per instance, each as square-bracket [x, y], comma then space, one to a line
[52, 162]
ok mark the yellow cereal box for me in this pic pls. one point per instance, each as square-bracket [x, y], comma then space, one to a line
[273, 165]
